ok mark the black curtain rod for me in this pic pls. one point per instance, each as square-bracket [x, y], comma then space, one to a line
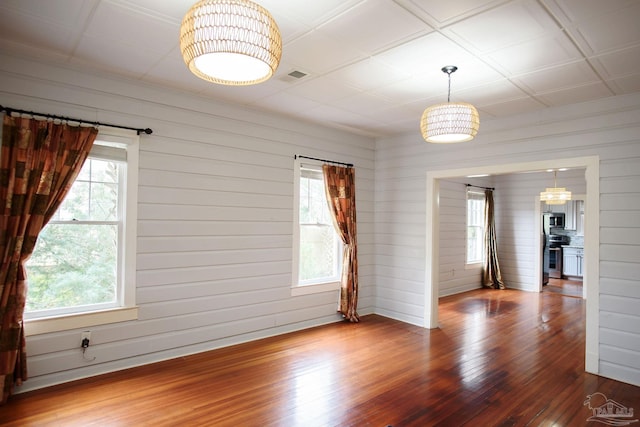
[349, 165]
[484, 188]
[9, 110]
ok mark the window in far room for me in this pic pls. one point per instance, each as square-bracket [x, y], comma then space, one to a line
[317, 245]
[475, 226]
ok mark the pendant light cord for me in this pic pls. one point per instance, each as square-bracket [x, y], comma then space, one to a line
[448, 69]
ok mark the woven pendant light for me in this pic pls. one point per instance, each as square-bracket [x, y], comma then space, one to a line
[555, 195]
[230, 42]
[450, 121]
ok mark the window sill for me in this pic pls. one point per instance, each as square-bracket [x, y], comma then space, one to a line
[314, 289]
[81, 320]
[474, 266]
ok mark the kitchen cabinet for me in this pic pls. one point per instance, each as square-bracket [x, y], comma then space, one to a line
[579, 217]
[557, 208]
[570, 216]
[574, 215]
[572, 259]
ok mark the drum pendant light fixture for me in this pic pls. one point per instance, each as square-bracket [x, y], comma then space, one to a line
[230, 42]
[450, 121]
[555, 195]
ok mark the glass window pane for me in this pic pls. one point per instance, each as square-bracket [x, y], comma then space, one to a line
[94, 194]
[104, 171]
[76, 204]
[317, 252]
[475, 227]
[319, 244]
[313, 202]
[85, 172]
[305, 214]
[104, 202]
[73, 265]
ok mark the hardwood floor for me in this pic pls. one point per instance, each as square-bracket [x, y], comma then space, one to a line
[567, 287]
[500, 358]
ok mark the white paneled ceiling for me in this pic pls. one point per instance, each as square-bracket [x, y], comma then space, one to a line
[372, 66]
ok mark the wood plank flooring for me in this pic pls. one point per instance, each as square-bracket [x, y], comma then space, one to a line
[568, 287]
[499, 358]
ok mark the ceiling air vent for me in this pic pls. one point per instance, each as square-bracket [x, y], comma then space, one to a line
[297, 74]
[293, 76]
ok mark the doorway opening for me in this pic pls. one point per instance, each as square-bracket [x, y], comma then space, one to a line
[561, 284]
[591, 236]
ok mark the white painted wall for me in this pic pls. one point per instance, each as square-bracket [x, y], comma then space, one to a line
[515, 197]
[455, 276]
[608, 128]
[215, 219]
[216, 181]
[515, 200]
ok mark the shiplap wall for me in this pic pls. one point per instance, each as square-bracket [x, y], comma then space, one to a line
[455, 275]
[215, 216]
[608, 128]
[515, 199]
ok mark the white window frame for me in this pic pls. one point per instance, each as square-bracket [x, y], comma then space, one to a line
[307, 288]
[479, 263]
[126, 303]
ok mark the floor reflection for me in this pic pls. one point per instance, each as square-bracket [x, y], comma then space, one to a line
[479, 342]
[474, 352]
[313, 389]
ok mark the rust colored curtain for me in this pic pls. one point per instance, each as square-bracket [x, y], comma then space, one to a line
[492, 275]
[339, 185]
[38, 163]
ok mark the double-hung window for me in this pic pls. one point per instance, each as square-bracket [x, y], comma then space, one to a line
[317, 246]
[82, 270]
[475, 226]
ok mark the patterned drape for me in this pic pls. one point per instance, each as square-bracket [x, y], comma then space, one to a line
[38, 163]
[339, 185]
[492, 276]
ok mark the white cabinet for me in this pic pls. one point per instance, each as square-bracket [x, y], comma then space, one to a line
[579, 217]
[572, 259]
[570, 216]
[573, 215]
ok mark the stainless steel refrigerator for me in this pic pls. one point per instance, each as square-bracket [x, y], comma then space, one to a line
[552, 245]
[546, 231]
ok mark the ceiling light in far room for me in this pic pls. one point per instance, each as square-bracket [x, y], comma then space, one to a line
[555, 195]
[230, 42]
[451, 121]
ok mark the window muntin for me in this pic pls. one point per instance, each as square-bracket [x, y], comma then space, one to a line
[475, 227]
[318, 258]
[78, 263]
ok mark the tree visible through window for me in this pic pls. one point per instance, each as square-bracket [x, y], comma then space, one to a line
[75, 264]
[319, 244]
[475, 226]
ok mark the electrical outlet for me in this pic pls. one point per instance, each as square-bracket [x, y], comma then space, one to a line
[85, 339]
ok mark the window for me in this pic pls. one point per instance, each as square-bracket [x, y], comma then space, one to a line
[75, 264]
[84, 260]
[475, 227]
[317, 246]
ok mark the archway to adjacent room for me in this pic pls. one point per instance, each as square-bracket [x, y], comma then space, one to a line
[591, 235]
